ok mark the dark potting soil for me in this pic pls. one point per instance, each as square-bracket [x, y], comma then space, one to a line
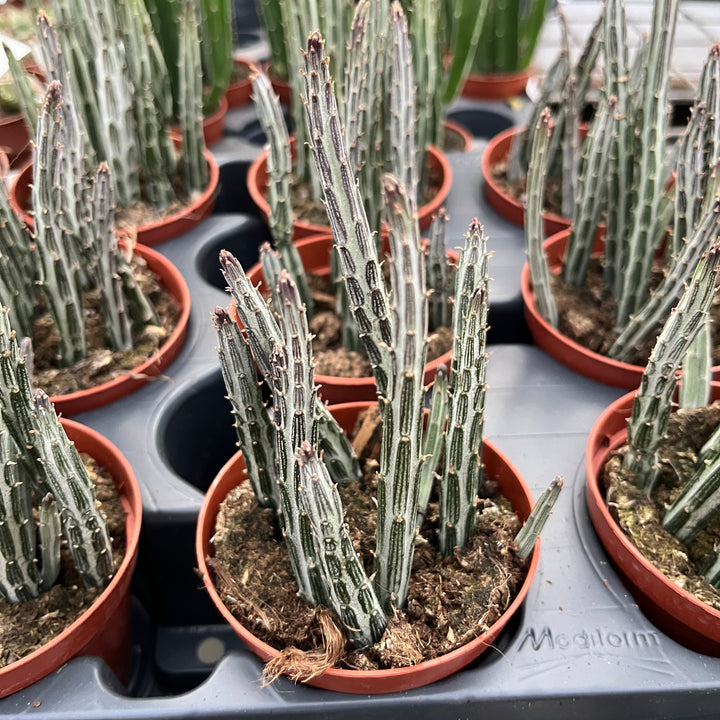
[101, 364]
[331, 356]
[587, 315]
[27, 626]
[516, 189]
[640, 516]
[451, 600]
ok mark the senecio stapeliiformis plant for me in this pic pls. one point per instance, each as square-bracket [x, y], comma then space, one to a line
[393, 327]
[699, 501]
[45, 491]
[623, 184]
[74, 246]
[109, 63]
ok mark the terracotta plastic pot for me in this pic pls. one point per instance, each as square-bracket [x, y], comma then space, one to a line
[497, 467]
[257, 178]
[559, 346]
[214, 123]
[151, 233]
[676, 612]
[14, 136]
[459, 129]
[505, 205]
[104, 628]
[107, 392]
[315, 253]
[497, 86]
[239, 92]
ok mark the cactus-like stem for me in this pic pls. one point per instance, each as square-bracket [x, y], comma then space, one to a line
[466, 404]
[293, 389]
[403, 122]
[591, 198]
[651, 181]
[104, 267]
[537, 519]
[439, 277]
[217, 49]
[152, 101]
[65, 477]
[59, 271]
[348, 590]
[263, 335]
[271, 267]
[651, 408]
[18, 287]
[669, 289]
[271, 14]
[20, 579]
[534, 234]
[697, 370]
[699, 502]
[401, 405]
[50, 535]
[252, 423]
[433, 444]
[354, 241]
[25, 96]
[710, 569]
[195, 169]
[279, 165]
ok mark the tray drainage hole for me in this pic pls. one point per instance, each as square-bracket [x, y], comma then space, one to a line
[210, 650]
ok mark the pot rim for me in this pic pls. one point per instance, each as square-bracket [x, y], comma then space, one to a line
[366, 681]
[75, 636]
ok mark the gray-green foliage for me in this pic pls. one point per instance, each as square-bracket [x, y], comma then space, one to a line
[42, 470]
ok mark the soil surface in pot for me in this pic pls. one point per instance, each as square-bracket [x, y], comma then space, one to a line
[587, 315]
[451, 600]
[640, 516]
[310, 210]
[101, 364]
[27, 626]
[331, 356]
[516, 189]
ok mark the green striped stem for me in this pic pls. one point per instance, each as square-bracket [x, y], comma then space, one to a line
[652, 404]
[530, 531]
[697, 370]
[534, 233]
[217, 49]
[461, 472]
[251, 421]
[348, 591]
[439, 275]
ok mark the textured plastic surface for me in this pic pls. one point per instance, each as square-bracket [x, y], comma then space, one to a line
[580, 647]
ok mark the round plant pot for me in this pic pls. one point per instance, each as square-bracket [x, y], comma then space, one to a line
[676, 612]
[4, 165]
[151, 233]
[505, 205]
[214, 123]
[458, 129]
[14, 136]
[129, 381]
[497, 467]
[315, 252]
[104, 628]
[239, 92]
[559, 346]
[497, 86]
[257, 179]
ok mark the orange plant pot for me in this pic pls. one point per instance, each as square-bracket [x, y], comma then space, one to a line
[257, 179]
[497, 86]
[315, 254]
[363, 682]
[675, 611]
[104, 628]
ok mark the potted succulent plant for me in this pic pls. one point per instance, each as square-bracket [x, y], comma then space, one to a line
[127, 124]
[568, 90]
[652, 478]
[504, 51]
[649, 242]
[82, 298]
[368, 62]
[302, 494]
[344, 373]
[215, 35]
[71, 528]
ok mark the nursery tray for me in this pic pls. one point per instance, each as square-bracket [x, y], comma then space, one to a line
[580, 648]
